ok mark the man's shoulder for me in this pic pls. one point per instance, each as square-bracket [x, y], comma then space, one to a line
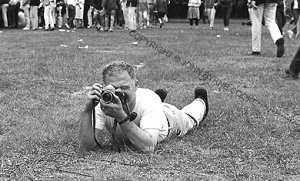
[147, 97]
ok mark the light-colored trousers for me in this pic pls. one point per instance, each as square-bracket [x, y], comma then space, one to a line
[48, 15]
[132, 18]
[268, 12]
[211, 13]
[180, 120]
[34, 19]
[143, 18]
[4, 8]
[125, 13]
[89, 16]
[26, 9]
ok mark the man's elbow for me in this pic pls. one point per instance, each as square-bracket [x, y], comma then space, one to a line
[87, 145]
[148, 148]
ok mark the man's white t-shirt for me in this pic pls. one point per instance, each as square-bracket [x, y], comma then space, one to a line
[150, 115]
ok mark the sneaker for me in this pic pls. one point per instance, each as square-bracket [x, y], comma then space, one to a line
[291, 34]
[226, 28]
[291, 74]
[280, 47]
[201, 93]
[211, 28]
[26, 28]
[162, 93]
[111, 30]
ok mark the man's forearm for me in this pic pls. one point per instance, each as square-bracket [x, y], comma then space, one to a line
[140, 138]
[86, 133]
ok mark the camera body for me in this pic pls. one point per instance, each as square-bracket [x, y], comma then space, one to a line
[108, 96]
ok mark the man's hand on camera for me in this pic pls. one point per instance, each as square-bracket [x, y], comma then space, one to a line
[113, 109]
[94, 96]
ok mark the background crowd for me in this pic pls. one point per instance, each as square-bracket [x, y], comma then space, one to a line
[104, 15]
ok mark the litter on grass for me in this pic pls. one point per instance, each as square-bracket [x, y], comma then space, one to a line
[86, 46]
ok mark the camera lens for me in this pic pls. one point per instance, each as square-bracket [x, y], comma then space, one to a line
[107, 97]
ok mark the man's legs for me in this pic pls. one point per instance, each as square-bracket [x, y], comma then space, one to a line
[188, 118]
[256, 17]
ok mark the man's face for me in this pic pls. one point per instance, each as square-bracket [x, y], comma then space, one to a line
[122, 82]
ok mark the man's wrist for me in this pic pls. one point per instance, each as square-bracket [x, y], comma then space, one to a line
[126, 119]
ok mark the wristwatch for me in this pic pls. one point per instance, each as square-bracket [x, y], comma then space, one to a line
[124, 120]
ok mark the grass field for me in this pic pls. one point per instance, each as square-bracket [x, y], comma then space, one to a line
[43, 83]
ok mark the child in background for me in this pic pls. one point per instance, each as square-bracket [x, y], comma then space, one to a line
[79, 13]
[162, 8]
[193, 12]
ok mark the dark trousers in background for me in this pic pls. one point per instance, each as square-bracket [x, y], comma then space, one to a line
[203, 15]
[280, 17]
[295, 64]
[12, 15]
[226, 11]
[71, 14]
[87, 5]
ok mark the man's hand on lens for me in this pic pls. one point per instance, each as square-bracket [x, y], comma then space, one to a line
[113, 109]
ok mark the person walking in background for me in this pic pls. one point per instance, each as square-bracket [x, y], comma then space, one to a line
[110, 7]
[131, 7]
[193, 12]
[294, 69]
[98, 16]
[143, 14]
[266, 9]
[150, 4]
[71, 13]
[49, 7]
[34, 18]
[25, 5]
[210, 6]
[226, 8]
[79, 8]
[162, 9]
[4, 7]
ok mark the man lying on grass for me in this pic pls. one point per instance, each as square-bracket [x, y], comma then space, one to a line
[135, 115]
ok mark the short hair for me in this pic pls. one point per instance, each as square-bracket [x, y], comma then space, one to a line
[117, 66]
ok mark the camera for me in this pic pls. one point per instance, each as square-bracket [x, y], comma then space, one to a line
[108, 96]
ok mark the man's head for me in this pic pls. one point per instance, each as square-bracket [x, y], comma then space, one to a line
[117, 67]
[121, 76]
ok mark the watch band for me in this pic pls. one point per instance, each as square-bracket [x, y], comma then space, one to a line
[124, 120]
